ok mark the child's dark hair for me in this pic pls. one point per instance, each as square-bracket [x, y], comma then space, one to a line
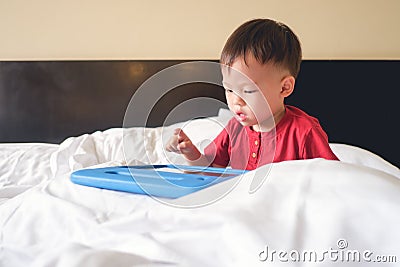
[267, 41]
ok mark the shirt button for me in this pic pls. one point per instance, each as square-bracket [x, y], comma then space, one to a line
[256, 142]
[254, 154]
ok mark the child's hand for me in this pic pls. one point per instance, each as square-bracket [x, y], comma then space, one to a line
[181, 143]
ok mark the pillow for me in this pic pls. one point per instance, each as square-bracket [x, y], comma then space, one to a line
[132, 146]
[146, 145]
[359, 156]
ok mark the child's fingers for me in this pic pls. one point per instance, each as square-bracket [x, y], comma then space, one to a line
[185, 146]
[189, 150]
[171, 148]
[182, 136]
[179, 142]
[172, 145]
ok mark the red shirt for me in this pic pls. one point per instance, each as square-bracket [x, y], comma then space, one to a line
[297, 136]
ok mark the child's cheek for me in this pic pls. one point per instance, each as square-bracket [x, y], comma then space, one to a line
[229, 101]
[259, 106]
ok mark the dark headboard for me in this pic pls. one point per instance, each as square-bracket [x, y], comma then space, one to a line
[47, 101]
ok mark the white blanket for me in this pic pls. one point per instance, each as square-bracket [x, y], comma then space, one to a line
[310, 207]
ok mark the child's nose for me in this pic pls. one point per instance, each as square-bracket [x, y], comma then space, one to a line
[237, 100]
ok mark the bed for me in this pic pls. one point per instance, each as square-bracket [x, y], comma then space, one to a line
[57, 118]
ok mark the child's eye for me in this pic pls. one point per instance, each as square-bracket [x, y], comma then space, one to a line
[250, 91]
[229, 90]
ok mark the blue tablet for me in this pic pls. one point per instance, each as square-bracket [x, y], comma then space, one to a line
[169, 181]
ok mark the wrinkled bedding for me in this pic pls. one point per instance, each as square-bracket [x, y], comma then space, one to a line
[305, 205]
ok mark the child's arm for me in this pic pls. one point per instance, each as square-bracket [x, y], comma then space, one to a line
[181, 143]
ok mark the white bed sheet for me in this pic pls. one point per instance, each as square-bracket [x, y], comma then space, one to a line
[46, 220]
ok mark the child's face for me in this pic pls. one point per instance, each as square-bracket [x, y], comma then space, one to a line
[256, 92]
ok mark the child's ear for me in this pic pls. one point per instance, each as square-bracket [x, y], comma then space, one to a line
[287, 86]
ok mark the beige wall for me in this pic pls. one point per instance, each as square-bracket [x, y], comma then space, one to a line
[184, 29]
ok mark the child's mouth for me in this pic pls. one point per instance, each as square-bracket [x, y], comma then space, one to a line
[241, 116]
